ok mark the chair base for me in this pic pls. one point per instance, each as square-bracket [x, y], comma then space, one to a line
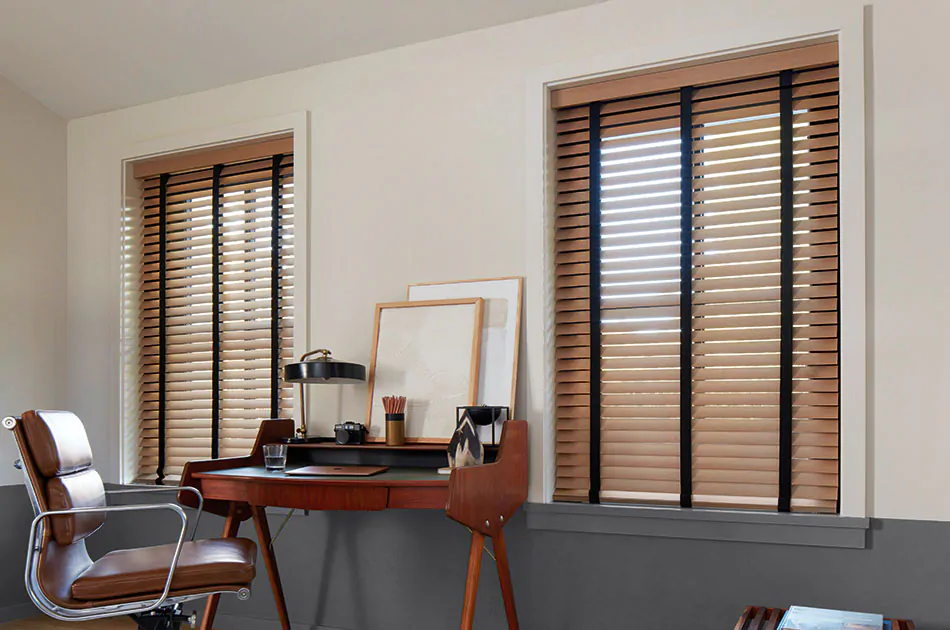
[170, 618]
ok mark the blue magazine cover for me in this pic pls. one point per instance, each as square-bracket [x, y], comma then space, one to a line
[801, 618]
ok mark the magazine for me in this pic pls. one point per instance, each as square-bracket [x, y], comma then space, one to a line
[801, 618]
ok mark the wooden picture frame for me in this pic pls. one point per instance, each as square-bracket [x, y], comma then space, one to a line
[501, 334]
[444, 337]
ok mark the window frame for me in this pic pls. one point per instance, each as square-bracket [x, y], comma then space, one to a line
[847, 23]
[298, 124]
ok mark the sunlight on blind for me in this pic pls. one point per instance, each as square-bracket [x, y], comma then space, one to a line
[236, 273]
[735, 286]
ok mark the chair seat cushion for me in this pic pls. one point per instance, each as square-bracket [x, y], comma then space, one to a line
[203, 563]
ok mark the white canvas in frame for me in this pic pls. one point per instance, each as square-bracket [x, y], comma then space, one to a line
[501, 335]
[429, 352]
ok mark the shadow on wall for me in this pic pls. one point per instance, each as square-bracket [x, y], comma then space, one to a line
[15, 516]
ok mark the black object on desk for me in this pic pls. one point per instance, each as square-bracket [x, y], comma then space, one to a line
[323, 370]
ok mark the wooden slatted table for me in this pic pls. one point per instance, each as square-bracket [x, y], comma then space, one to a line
[759, 618]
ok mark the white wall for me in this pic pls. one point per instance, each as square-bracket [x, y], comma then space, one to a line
[32, 261]
[426, 146]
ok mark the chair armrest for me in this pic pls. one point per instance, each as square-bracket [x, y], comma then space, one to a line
[136, 489]
[34, 547]
[188, 480]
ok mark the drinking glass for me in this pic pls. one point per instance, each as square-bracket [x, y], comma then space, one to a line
[275, 457]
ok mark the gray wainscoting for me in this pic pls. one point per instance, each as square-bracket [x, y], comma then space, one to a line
[15, 517]
[398, 570]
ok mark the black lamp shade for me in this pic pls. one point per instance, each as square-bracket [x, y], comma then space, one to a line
[324, 371]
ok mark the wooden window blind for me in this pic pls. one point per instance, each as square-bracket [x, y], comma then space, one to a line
[696, 237]
[216, 308]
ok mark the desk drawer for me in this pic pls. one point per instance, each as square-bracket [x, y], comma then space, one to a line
[419, 498]
[302, 496]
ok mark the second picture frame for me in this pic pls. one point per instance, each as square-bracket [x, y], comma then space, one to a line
[430, 352]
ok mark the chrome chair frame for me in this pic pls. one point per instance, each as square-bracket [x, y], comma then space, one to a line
[66, 614]
[176, 489]
[38, 531]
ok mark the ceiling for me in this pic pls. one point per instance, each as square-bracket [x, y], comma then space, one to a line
[81, 57]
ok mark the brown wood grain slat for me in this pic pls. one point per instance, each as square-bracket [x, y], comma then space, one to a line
[742, 624]
[814, 55]
[775, 617]
[572, 338]
[234, 152]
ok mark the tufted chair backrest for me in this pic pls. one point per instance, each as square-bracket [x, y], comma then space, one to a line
[62, 476]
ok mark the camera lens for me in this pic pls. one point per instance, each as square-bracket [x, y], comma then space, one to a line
[342, 436]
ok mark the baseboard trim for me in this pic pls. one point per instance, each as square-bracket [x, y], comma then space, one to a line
[235, 622]
[17, 612]
[231, 622]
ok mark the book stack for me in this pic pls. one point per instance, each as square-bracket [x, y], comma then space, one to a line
[801, 618]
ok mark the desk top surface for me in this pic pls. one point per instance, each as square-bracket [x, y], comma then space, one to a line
[392, 477]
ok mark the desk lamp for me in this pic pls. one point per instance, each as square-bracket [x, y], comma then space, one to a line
[321, 370]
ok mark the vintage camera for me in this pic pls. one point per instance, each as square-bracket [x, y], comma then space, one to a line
[350, 433]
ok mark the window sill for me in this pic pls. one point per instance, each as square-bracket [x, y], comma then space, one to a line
[724, 525]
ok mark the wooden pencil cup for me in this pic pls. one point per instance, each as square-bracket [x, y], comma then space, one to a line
[395, 429]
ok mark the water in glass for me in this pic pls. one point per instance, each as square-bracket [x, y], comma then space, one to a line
[275, 456]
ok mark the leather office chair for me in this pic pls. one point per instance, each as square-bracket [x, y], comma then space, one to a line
[69, 500]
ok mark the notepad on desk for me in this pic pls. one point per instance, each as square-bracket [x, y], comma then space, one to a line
[802, 618]
[337, 471]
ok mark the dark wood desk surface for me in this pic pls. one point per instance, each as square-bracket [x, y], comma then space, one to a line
[392, 477]
[397, 488]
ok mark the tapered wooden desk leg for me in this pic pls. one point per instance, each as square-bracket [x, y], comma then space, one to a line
[232, 524]
[471, 581]
[270, 561]
[504, 577]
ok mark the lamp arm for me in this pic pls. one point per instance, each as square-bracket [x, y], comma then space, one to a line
[302, 429]
[326, 354]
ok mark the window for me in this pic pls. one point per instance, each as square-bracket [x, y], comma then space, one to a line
[216, 270]
[696, 281]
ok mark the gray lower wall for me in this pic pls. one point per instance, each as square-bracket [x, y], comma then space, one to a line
[399, 570]
[15, 516]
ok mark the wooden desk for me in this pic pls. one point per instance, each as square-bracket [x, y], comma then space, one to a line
[760, 618]
[483, 498]
[397, 488]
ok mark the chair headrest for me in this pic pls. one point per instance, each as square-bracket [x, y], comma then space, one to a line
[58, 442]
